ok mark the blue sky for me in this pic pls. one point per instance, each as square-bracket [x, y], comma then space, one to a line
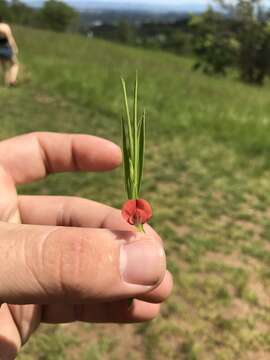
[149, 4]
[117, 3]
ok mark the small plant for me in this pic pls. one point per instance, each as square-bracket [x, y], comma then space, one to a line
[136, 211]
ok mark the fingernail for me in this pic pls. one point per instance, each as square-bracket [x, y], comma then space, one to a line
[142, 262]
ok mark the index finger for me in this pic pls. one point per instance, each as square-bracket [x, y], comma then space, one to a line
[33, 156]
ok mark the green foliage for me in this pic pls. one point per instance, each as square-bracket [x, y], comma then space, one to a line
[126, 33]
[254, 39]
[241, 39]
[21, 13]
[213, 43]
[4, 11]
[177, 42]
[57, 15]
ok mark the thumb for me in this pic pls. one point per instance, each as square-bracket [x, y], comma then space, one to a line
[44, 264]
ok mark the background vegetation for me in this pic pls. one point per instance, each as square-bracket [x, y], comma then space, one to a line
[239, 37]
[54, 14]
[207, 176]
[231, 37]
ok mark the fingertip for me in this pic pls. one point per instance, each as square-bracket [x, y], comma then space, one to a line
[108, 155]
[116, 154]
[141, 311]
[161, 292]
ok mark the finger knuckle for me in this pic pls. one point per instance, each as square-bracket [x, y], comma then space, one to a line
[71, 265]
[66, 254]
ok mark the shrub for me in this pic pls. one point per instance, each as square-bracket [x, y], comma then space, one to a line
[238, 36]
[57, 15]
[213, 43]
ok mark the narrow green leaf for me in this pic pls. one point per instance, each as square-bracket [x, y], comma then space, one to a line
[133, 143]
[132, 180]
[126, 159]
[136, 145]
[135, 102]
[141, 141]
[130, 132]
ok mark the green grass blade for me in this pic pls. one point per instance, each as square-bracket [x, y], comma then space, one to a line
[130, 132]
[135, 103]
[136, 144]
[126, 159]
[141, 141]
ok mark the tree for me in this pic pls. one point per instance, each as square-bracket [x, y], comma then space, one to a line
[239, 36]
[21, 13]
[57, 15]
[252, 31]
[126, 32]
[177, 41]
[213, 43]
[4, 10]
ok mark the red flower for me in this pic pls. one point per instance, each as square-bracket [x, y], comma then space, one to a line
[137, 211]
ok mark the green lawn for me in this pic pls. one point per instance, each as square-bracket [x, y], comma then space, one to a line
[207, 176]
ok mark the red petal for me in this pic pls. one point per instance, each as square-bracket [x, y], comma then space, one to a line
[136, 211]
[128, 209]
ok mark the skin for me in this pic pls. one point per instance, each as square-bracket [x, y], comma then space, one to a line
[53, 266]
[10, 67]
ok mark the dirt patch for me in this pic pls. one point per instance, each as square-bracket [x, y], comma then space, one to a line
[252, 265]
[239, 309]
[249, 226]
[255, 214]
[44, 99]
[94, 335]
[258, 355]
[267, 213]
[261, 292]
[267, 246]
[232, 260]
[225, 220]
[218, 196]
[181, 230]
[167, 188]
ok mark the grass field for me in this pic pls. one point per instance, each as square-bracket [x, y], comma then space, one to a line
[207, 176]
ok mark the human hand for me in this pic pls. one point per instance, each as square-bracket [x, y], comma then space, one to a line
[77, 257]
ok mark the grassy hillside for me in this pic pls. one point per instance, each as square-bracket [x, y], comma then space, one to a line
[207, 178]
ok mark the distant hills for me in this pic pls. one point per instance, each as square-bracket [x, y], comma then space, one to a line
[135, 17]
